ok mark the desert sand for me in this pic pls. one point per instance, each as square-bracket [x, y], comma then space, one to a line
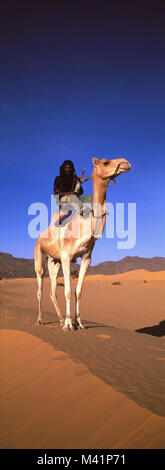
[101, 387]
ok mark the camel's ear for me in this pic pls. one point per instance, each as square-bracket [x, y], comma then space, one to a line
[95, 161]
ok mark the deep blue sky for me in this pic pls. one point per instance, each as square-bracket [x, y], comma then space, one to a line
[80, 80]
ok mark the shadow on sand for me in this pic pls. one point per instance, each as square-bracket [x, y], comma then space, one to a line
[156, 330]
[87, 325]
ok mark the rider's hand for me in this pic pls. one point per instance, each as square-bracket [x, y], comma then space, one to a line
[77, 187]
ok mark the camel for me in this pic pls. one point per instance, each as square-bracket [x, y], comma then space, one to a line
[61, 249]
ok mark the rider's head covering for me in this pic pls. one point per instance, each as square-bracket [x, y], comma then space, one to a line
[62, 167]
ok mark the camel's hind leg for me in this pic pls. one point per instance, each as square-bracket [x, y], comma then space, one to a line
[53, 268]
[40, 266]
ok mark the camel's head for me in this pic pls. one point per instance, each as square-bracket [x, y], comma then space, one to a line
[110, 169]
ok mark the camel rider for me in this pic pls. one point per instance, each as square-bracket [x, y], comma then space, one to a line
[68, 188]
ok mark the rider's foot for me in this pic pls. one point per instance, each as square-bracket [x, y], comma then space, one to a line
[62, 217]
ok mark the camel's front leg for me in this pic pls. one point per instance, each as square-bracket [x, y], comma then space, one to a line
[53, 268]
[65, 260]
[40, 295]
[83, 269]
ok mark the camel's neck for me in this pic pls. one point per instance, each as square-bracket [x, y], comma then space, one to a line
[100, 187]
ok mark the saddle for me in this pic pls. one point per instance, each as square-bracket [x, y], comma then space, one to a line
[87, 208]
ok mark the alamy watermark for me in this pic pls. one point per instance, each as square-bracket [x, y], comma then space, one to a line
[118, 216]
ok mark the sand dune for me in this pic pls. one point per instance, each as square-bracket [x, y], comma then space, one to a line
[102, 387]
[134, 275]
[49, 401]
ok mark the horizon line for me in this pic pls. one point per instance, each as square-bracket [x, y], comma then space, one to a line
[105, 261]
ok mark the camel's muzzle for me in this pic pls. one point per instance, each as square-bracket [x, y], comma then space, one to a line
[124, 166]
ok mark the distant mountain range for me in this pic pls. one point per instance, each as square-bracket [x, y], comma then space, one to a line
[11, 267]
